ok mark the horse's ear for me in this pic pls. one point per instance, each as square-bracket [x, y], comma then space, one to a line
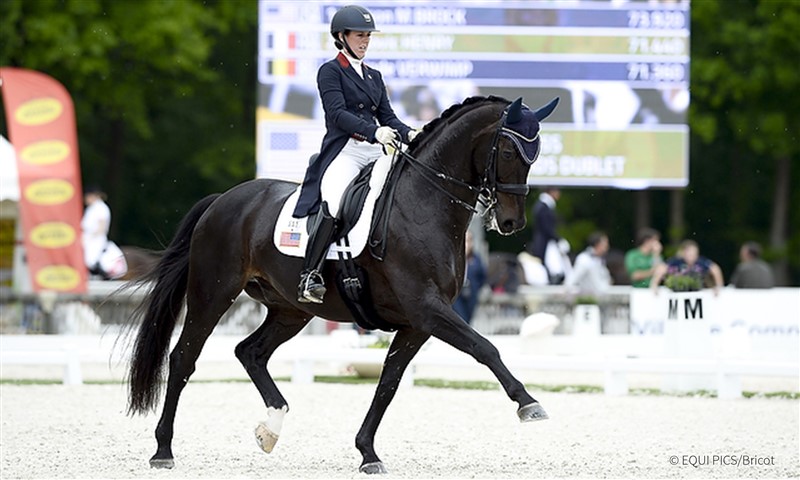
[545, 111]
[514, 114]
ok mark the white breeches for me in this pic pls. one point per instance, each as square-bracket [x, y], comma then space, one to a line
[344, 168]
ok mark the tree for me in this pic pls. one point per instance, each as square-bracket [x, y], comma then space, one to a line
[158, 104]
[745, 116]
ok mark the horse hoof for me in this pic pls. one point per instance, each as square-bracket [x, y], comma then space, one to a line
[532, 413]
[265, 438]
[374, 468]
[162, 463]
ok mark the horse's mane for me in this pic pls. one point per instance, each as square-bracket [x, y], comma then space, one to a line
[451, 111]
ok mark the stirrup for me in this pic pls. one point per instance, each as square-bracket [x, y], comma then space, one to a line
[312, 288]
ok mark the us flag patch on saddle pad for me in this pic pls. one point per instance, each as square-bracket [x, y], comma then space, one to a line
[290, 239]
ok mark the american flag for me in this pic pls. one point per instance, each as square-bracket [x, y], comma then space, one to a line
[290, 239]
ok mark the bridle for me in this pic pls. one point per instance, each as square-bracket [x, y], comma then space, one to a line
[489, 188]
[486, 192]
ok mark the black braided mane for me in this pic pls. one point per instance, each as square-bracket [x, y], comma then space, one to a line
[451, 112]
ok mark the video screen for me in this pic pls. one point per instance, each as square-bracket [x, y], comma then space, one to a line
[621, 69]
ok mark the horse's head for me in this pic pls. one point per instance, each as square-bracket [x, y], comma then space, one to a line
[515, 145]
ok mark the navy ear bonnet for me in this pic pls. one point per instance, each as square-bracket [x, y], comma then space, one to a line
[521, 126]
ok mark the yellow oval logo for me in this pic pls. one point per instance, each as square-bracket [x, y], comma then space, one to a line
[52, 191]
[46, 152]
[53, 235]
[58, 277]
[38, 111]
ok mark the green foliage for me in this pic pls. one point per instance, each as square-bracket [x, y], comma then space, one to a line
[382, 342]
[164, 95]
[585, 300]
[683, 283]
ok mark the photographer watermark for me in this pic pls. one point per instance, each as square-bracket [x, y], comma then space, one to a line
[739, 460]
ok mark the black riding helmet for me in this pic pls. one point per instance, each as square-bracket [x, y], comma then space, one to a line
[351, 17]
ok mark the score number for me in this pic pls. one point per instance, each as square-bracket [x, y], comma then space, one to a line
[656, 72]
[657, 19]
[656, 46]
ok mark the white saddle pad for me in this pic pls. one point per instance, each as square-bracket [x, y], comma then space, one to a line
[291, 235]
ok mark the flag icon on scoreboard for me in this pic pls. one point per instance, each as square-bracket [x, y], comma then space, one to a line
[290, 239]
[282, 68]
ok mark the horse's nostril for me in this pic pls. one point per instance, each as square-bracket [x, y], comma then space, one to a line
[508, 225]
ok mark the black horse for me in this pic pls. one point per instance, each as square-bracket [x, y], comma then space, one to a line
[480, 149]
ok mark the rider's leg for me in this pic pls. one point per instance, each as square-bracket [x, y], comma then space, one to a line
[323, 228]
[344, 168]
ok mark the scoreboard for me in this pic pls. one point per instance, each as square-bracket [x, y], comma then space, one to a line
[621, 69]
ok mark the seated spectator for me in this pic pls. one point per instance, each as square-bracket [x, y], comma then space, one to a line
[752, 272]
[641, 261]
[589, 273]
[688, 262]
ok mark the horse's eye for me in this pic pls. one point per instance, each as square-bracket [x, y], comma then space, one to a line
[507, 154]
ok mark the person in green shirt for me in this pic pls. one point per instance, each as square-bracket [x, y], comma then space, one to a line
[641, 261]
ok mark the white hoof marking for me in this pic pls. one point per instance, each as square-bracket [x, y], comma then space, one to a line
[267, 432]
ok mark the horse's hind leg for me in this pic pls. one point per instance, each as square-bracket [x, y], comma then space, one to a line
[405, 346]
[205, 304]
[253, 352]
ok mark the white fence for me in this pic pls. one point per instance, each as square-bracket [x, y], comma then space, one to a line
[754, 334]
[307, 353]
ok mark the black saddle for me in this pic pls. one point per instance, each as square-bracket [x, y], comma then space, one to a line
[353, 200]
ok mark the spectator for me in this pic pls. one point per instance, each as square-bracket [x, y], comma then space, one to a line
[688, 262]
[641, 261]
[590, 274]
[546, 245]
[474, 278]
[752, 272]
[94, 224]
[103, 258]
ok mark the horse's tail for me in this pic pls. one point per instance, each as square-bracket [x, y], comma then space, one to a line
[161, 308]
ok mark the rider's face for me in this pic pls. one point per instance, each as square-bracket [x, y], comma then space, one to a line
[359, 42]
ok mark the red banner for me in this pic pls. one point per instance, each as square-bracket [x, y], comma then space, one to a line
[41, 127]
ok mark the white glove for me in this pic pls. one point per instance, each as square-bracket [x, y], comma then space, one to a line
[563, 246]
[385, 135]
[413, 134]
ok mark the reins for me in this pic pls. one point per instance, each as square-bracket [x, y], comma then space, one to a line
[423, 169]
[486, 191]
[489, 187]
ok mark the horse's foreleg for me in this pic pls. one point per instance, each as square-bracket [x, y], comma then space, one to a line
[254, 353]
[405, 345]
[447, 326]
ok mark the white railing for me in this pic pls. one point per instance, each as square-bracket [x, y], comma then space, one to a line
[306, 353]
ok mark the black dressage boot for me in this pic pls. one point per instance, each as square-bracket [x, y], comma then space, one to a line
[321, 233]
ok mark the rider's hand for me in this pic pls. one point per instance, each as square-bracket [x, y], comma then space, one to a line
[413, 134]
[385, 135]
